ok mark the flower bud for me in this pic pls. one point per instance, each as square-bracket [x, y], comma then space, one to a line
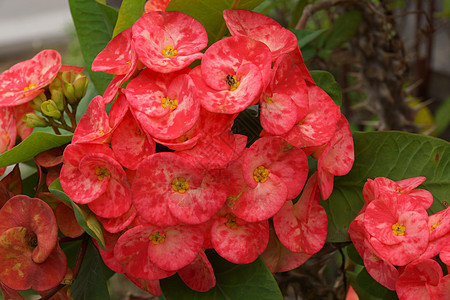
[69, 92]
[37, 101]
[58, 98]
[80, 85]
[68, 76]
[49, 108]
[33, 120]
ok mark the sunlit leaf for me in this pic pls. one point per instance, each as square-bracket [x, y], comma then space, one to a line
[326, 82]
[129, 12]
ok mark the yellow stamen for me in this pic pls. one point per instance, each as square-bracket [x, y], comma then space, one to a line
[171, 103]
[398, 229]
[169, 52]
[180, 185]
[433, 227]
[268, 100]
[231, 222]
[260, 174]
[232, 82]
[398, 190]
[102, 173]
[31, 86]
[157, 238]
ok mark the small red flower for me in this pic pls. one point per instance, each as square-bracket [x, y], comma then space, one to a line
[25, 80]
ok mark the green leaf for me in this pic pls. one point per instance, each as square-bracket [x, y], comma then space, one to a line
[129, 12]
[250, 281]
[209, 13]
[110, 15]
[397, 156]
[305, 37]
[93, 34]
[354, 255]
[84, 216]
[36, 143]
[442, 118]
[342, 30]
[370, 285]
[297, 12]
[326, 82]
[91, 281]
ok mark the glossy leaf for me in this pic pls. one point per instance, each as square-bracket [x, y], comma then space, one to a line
[84, 216]
[129, 12]
[209, 13]
[91, 281]
[326, 82]
[36, 143]
[248, 281]
[397, 156]
[110, 15]
[93, 35]
[365, 281]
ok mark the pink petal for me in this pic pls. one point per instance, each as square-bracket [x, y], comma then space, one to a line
[380, 270]
[199, 274]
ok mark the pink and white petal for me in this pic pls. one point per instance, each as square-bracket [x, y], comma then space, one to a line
[118, 110]
[308, 198]
[178, 121]
[379, 217]
[409, 184]
[326, 182]
[199, 274]
[151, 286]
[262, 202]
[22, 129]
[181, 245]
[73, 153]
[114, 202]
[108, 255]
[130, 144]
[315, 230]
[288, 228]
[241, 244]
[145, 92]
[382, 271]
[281, 159]
[239, 21]
[196, 206]
[278, 114]
[79, 188]
[279, 39]
[93, 126]
[339, 156]
[116, 58]
[131, 250]
[156, 5]
[118, 224]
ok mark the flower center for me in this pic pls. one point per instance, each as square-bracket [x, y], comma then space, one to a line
[398, 229]
[157, 238]
[180, 185]
[268, 100]
[231, 200]
[169, 52]
[231, 221]
[433, 227]
[31, 86]
[232, 82]
[260, 174]
[171, 103]
[102, 173]
[32, 239]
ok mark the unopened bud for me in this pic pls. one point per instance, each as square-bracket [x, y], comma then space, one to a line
[80, 85]
[49, 108]
[37, 101]
[68, 76]
[69, 92]
[33, 120]
[58, 98]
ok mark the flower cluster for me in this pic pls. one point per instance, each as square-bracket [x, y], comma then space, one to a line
[163, 171]
[393, 230]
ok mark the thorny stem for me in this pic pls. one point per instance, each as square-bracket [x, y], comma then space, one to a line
[76, 267]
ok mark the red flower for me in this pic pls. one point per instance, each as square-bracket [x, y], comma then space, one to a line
[25, 80]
